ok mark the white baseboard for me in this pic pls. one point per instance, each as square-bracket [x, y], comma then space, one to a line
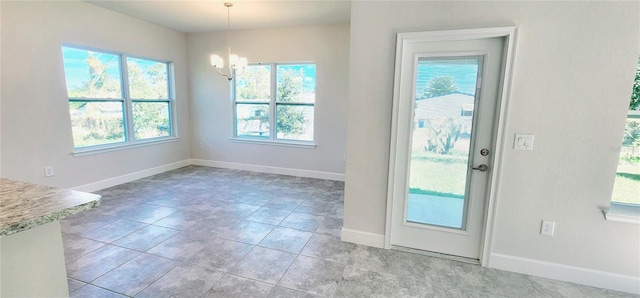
[583, 276]
[268, 169]
[364, 238]
[95, 186]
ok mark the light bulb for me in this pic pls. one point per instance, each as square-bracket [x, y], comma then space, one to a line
[217, 61]
[233, 60]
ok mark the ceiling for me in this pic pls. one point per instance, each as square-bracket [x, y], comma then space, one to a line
[205, 16]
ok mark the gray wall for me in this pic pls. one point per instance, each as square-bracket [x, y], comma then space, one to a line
[574, 69]
[211, 112]
[36, 128]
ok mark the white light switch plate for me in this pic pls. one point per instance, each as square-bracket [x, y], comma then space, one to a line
[523, 141]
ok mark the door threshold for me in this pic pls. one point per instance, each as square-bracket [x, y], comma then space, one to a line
[436, 255]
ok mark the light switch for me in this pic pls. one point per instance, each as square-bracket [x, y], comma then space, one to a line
[523, 141]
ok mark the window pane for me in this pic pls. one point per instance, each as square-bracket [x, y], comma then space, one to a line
[151, 119]
[148, 79]
[96, 123]
[626, 188]
[92, 74]
[252, 120]
[253, 84]
[294, 122]
[296, 83]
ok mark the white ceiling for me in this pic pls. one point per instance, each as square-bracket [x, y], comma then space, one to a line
[205, 16]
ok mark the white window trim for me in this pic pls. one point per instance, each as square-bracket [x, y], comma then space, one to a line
[283, 143]
[98, 149]
[272, 139]
[130, 140]
[629, 213]
[623, 212]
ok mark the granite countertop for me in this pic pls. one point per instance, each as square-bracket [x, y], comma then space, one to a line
[26, 205]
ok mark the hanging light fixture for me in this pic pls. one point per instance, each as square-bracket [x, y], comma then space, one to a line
[236, 64]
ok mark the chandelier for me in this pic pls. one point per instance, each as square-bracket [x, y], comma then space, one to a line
[236, 64]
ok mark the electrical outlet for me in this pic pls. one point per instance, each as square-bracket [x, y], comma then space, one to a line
[48, 171]
[547, 228]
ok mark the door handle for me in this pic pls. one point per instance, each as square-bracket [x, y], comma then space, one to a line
[482, 168]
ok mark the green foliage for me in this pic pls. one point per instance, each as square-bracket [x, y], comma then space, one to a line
[101, 122]
[635, 94]
[100, 84]
[289, 119]
[631, 133]
[439, 86]
[75, 105]
[443, 135]
[93, 126]
[254, 83]
[634, 160]
[290, 84]
[151, 119]
[149, 82]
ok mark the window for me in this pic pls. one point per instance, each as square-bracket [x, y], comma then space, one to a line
[284, 90]
[626, 189]
[115, 99]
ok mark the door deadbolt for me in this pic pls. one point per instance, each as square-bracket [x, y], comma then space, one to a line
[484, 152]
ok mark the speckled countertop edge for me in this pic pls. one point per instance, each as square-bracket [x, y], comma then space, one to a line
[25, 205]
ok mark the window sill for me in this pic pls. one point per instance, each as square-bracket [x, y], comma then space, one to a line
[623, 213]
[117, 147]
[306, 145]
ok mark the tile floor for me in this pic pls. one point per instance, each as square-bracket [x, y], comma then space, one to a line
[207, 232]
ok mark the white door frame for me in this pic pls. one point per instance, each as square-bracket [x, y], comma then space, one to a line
[499, 139]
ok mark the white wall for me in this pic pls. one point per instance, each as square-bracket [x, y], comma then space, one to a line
[211, 110]
[572, 82]
[35, 123]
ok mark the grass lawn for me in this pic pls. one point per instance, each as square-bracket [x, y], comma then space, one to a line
[445, 175]
[436, 174]
[626, 188]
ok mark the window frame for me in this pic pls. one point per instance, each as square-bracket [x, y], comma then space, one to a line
[273, 103]
[619, 211]
[127, 103]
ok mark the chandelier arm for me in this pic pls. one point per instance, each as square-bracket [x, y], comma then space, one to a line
[228, 76]
[239, 63]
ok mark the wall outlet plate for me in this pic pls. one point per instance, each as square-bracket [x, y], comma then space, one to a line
[523, 141]
[547, 228]
[48, 171]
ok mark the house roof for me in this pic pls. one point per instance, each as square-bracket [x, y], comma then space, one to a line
[446, 106]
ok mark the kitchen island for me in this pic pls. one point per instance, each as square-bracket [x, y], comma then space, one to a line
[31, 252]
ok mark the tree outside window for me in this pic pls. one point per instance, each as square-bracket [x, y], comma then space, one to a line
[293, 102]
[626, 188]
[100, 104]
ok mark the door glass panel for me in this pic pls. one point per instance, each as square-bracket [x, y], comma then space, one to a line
[441, 141]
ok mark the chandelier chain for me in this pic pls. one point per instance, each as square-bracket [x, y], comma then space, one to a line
[228, 5]
[235, 64]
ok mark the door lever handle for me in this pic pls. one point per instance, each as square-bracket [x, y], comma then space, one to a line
[482, 168]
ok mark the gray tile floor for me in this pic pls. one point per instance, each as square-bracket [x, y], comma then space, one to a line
[207, 232]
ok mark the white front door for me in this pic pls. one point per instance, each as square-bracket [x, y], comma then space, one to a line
[446, 100]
